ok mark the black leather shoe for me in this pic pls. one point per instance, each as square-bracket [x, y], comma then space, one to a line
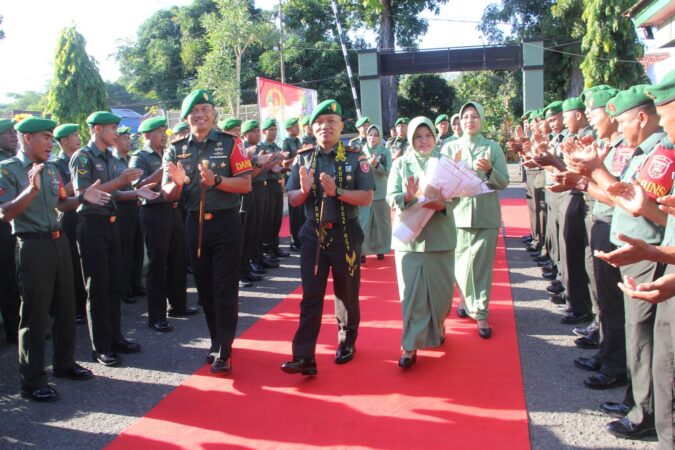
[541, 259]
[380, 256]
[257, 268]
[602, 381]
[43, 394]
[344, 354]
[535, 254]
[626, 429]
[461, 312]
[527, 238]
[549, 275]
[268, 263]
[533, 248]
[555, 288]
[250, 277]
[613, 409]
[108, 359]
[213, 353]
[80, 319]
[125, 346]
[545, 265]
[279, 253]
[590, 364]
[305, 366]
[585, 331]
[588, 342]
[564, 308]
[77, 372]
[244, 284]
[574, 318]
[182, 313]
[271, 257]
[294, 248]
[221, 365]
[559, 299]
[485, 333]
[407, 361]
[160, 325]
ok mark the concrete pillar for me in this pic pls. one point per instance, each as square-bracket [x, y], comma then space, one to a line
[371, 94]
[533, 74]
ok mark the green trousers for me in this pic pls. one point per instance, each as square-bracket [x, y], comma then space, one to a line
[45, 277]
[474, 258]
[425, 285]
[375, 222]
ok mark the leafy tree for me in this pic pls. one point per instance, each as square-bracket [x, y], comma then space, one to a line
[77, 88]
[612, 46]
[26, 101]
[120, 97]
[425, 95]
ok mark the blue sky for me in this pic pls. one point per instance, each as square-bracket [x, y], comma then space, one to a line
[30, 35]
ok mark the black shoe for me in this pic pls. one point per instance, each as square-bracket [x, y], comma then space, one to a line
[269, 263]
[106, 358]
[129, 300]
[574, 318]
[221, 365]
[213, 353]
[257, 268]
[585, 331]
[527, 239]
[344, 354]
[602, 381]
[294, 248]
[272, 258]
[124, 346]
[363, 259]
[43, 394]
[188, 269]
[546, 265]
[77, 372]
[305, 366]
[613, 409]
[250, 277]
[549, 275]
[535, 254]
[485, 333]
[559, 299]
[555, 288]
[590, 364]
[461, 312]
[80, 319]
[542, 259]
[564, 308]
[588, 342]
[162, 326]
[182, 313]
[244, 284]
[533, 248]
[279, 253]
[407, 361]
[380, 256]
[626, 429]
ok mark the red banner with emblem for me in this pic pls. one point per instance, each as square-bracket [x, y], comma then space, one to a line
[283, 101]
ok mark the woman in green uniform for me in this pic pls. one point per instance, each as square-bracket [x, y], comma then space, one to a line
[424, 267]
[375, 219]
[478, 218]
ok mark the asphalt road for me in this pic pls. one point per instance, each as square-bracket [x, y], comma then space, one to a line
[562, 413]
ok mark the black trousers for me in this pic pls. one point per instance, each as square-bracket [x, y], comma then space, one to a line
[217, 273]
[274, 216]
[346, 287]
[260, 203]
[9, 293]
[127, 222]
[69, 225]
[139, 258]
[164, 233]
[612, 353]
[45, 275]
[296, 218]
[99, 243]
[249, 221]
[573, 243]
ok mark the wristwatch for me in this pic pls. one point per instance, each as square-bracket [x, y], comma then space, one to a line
[217, 180]
[339, 192]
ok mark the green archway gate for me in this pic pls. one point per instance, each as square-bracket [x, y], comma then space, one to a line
[528, 57]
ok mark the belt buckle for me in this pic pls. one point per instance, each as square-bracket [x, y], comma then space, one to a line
[264, 183]
[174, 205]
[328, 225]
[112, 219]
[208, 216]
[56, 234]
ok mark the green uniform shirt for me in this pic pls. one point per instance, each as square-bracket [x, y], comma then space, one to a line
[89, 164]
[227, 158]
[669, 233]
[149, 161]
[358, 142]
[601, 209]
[267, 148]
[480, 211]
[440, 140]
[623, 221]
[380, 170]
[41, 214]
[307, 139]
[555, 142]
[357, 176]
[63, 164]
[398, 144]
[122, 164]
[4, 154]
[291, 145]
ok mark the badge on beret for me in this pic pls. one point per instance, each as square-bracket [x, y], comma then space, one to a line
[205, 97]
[611, 107]
[333, 107]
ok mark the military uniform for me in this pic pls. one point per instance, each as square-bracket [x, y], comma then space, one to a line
[306, 139]
[398, 144]
[9, 293]
[296, 215]
[127, 222]
[358, 142]
[261, 204]
[274, 210]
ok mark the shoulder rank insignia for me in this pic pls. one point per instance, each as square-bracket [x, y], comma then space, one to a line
[305, 148]
[183, 155]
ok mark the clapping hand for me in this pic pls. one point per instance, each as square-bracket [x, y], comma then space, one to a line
[208, 177]
[634, 251]
[412, 187]
[176, 173]
[129, 175]
[328, 184]
[34, 176]
[654, 292]
[306, 179]
[94, 196]
[146, 192]
[629, 196]
[667, 204]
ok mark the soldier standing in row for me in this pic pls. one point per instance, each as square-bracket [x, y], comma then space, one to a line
[361, 140]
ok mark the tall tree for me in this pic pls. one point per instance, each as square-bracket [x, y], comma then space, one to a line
[77, 88]
[425, 95]
[611, 45]
[26, 101]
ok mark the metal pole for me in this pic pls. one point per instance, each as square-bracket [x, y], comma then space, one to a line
[281, 40]
[344, 53]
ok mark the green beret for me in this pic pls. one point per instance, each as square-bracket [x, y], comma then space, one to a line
[269, 122]
[6, 125]
[573, 104]
[179, 127]
[304, 120]
[325, 107]
[441, 118]
[229, 123]
[35, 125]
[663, 92]
[553, 108]
[196, 97]
[401, 121]
[600, 97]
[362, 121]
[249, 125]
[290, 122]
[628, 99]
[65, 130]
[525, 116]
[601, 87]
[153, 123]
[103, 118]
[123, 130]
[539, 114]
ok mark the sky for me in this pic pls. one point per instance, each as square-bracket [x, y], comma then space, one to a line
[28, 49]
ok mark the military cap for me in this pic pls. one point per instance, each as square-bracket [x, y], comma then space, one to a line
[553, 108]
[6, 125]
[325, 107]
[268, 123]
[229, 123]
[664, 92]
[441, 118]
[362, 121]
[290, 122]
[573, 104]
[401, 121]
[103, 118]
[195, 97]
[153, 123]
[599, 98]
[304, 120]
[628, 99]
[65, 130]
[35, 125]
[539, 114]
[123, 130]
[249, 125]
[601, 87]
[525, 116]
[180, 126]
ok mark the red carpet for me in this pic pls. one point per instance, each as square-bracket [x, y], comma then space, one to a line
[467, 394]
